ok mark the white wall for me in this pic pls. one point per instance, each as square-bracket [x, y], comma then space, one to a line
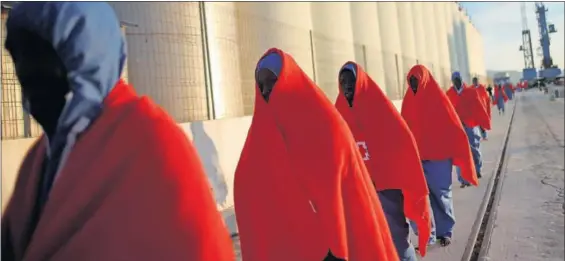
[219, 144]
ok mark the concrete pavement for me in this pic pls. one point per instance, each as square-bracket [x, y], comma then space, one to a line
[529, 224]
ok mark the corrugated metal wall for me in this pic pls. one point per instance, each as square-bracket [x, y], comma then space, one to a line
[197, 60]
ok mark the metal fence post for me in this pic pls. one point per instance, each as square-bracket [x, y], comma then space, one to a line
[398, 86]
[313, 56]
[27, 124]
[206, 60]
[365, 61]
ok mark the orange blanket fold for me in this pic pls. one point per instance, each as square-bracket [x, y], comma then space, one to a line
[470, 108]
[301, 188]
[388, 148]
[435, 125]
[133, 188]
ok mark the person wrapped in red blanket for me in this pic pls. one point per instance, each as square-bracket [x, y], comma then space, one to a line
[485, 98]
[500, 98]
[301, 189]
[441, 142]
[471, 110]
[390, 154]
[113, 177]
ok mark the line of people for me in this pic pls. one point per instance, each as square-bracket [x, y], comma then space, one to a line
[114, 178]
[314, 201]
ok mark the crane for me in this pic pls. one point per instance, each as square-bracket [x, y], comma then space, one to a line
[529, 72]
[548, 70]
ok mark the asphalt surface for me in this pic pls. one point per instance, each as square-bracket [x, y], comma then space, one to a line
[468, 200]
[529, 224]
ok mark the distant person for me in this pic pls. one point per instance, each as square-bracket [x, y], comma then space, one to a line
[486, 100]
[301, 189]
[489, 90]
[441, 142]
[390, 154]
[500, 98]
[113, 177]
[470, 108]
[508, 89]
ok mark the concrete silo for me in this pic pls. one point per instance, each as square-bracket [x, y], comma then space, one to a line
[443, 44]
[432, 34]
[166, 57]
[366, 31]
[390, 42]
[12, 111]
[468, 46]
[407, 40]
[333, 43]
[220, 21]
[420, 36]
[460, 42]
[263, 25]
[471, 43]
[450, 14]
[481, 58]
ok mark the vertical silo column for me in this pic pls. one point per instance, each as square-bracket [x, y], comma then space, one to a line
[407, 40]
[366, 31]
[460, 41]
[468, 45]
[420, 37]
[429, 23]
[223, 59]
[450, 9]
[443, 44]
[390, 42]
[333, 43]
[165, 55]
[264, 25]
[481, 54]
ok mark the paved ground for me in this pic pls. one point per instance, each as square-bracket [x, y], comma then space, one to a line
[467, 201]
[529, 223]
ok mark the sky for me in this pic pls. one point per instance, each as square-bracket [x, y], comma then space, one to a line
[500, 24]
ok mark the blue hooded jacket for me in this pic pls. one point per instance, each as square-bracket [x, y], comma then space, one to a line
[87, 38]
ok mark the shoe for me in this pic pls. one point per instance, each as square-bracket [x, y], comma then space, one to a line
[479, 175]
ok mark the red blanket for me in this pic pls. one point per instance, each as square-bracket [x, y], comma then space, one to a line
[388, 148]
[469, 105]
[133, 188]
[435, 125]
[301, 188]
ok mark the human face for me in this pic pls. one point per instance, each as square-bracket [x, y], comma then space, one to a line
[413, 82]
[42, 76]
[266, 81]
[347, 82]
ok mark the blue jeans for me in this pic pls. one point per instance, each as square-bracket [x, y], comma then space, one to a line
[438, 176]
[473, 136]
[392, 202]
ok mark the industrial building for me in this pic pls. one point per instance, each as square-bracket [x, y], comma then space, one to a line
[197, 59]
